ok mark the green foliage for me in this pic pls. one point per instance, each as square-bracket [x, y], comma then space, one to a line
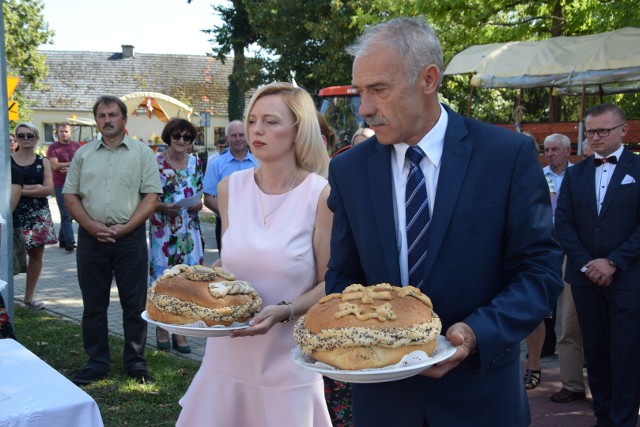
[25, 30]
[121, 400]
[306, 41]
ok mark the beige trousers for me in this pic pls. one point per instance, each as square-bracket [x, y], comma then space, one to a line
[570, 353]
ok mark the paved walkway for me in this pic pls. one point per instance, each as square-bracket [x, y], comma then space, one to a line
[58, 288]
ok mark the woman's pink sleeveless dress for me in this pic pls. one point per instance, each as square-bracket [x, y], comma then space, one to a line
[253, 381]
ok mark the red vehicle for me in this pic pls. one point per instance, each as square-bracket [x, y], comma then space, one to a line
[339, 105]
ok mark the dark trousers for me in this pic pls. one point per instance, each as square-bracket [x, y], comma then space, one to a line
[127, 259]
[218, 233]
[65, 236]
[609, 320]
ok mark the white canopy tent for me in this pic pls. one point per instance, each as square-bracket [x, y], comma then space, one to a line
[606, 60]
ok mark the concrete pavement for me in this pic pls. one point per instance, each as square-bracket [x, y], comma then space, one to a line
[58, 288]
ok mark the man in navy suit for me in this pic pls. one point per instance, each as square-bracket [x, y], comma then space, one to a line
[598, 225]
[492, 267]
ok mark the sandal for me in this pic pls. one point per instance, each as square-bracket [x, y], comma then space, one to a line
[532, 378]
[34, 304]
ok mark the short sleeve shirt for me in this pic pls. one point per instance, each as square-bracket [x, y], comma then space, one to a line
[112, 182]
[64, 153]
[224, 166]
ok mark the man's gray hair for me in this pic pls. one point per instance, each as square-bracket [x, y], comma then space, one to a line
[414, 38]
[564, 139]
[226, 130]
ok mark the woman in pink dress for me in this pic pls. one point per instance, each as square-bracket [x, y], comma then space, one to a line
[276, 228]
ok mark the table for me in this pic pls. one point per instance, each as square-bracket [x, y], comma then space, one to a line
[34, 394]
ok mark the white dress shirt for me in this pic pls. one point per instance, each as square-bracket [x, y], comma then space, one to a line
[603, 176]
[431, 144]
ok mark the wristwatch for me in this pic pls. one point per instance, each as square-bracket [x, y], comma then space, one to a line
[612, 264]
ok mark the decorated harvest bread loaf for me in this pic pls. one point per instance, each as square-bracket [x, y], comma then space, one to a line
[185, 294]
[368, 326]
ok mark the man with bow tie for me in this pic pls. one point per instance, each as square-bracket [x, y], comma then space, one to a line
[598, 224]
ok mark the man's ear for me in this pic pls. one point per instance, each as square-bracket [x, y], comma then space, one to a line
[429, 78]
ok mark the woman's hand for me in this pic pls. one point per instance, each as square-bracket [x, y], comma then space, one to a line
[263, 321]
[196, 208]
[170, 209]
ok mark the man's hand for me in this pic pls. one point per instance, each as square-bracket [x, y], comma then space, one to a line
[600, 272]
[462, 337]
[101, 232]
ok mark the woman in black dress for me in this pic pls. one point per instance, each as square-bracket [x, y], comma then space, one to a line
[33, 207]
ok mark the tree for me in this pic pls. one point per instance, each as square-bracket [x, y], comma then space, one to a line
[25, 29]
[235, 35]
[463, 23]
[305, 41]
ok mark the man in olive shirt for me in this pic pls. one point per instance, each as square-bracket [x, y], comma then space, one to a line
[111, 189]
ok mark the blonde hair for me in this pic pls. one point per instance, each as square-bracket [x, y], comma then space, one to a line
[311, 153]
[29, 126]
[366, 132]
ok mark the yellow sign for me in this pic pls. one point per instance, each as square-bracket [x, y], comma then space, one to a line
[13, 111]
[12, 82]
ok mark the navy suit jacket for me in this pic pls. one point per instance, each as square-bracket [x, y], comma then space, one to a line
[614, 233]
[492, 260]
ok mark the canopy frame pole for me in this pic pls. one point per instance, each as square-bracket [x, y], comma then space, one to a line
[470, 97]
[580, 124]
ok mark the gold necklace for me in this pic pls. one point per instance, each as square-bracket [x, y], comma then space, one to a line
[264, 217]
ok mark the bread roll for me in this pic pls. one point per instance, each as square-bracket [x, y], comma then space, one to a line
[368, 327]
[186, 294]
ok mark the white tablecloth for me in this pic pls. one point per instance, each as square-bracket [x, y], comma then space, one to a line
[32, 393]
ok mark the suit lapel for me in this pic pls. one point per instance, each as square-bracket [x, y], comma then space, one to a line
[621, 170]
[383, 205]
[587, 186]
[453, 168]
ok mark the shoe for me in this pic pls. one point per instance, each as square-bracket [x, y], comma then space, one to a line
[162, 345]
[33, 304]
[532, 378]
[181, 348]
[88, 376]
[70, 247]
[566, 396]
[61, 244]
[141, 377]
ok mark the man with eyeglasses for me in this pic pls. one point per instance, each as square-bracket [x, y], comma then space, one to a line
[60, 154]
[598, 225]
[112, 187]
[237, 158]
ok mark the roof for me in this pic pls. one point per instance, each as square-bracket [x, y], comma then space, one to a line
[605, 58]
[77, 79]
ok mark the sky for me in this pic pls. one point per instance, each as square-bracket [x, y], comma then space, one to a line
[151, 26]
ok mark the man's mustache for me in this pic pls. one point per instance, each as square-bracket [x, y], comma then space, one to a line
[375, 120]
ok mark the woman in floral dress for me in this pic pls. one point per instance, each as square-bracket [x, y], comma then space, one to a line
[174, 231]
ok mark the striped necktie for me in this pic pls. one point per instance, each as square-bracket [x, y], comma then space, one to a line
[418, 218]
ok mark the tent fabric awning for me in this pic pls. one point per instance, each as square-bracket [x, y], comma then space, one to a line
[595, 59]
[161, 106]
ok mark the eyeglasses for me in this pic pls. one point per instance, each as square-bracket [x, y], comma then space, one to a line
[185, 138]
[26, 135]
[601, 132]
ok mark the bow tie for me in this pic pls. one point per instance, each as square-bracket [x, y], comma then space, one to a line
[599, 162]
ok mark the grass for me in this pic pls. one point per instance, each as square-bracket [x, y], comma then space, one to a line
[121, 400]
